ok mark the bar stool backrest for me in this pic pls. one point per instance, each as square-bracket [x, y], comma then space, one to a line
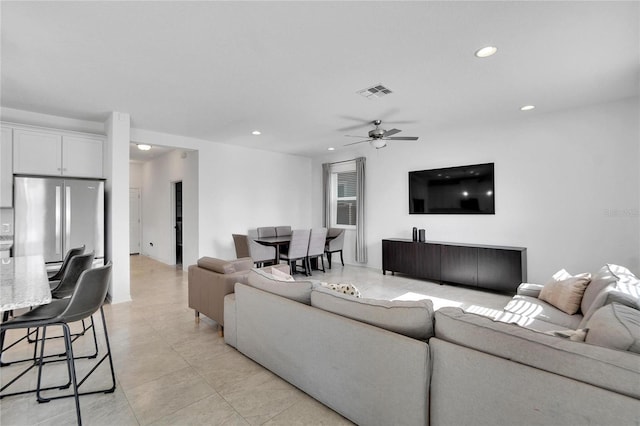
[77, 265]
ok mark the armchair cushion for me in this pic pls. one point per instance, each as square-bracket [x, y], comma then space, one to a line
[225, 266]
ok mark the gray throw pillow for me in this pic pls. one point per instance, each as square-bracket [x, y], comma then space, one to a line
[615, 326]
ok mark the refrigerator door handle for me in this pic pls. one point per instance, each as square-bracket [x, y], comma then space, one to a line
[67, 215]
[58, 218]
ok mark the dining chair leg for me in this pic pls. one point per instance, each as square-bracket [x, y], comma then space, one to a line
[341, 259]
[322, 260]
[328, 258]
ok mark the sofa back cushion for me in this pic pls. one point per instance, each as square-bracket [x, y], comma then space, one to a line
[605, 287]
[609, 369]
[299, 291]
[410, 318]
[565, 291]
[607, 275]
[615, 326]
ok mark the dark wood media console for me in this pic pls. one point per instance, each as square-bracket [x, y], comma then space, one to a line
[494, 268]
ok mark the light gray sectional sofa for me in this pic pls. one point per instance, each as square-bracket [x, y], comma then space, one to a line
[399, 363]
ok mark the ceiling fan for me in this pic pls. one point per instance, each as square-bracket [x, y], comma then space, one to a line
[378, 137]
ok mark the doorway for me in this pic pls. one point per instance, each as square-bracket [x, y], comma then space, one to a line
[177, 190]
[134, 220]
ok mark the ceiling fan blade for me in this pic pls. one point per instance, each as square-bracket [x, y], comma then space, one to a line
[391, 132]
[355, 143]
[352, 136]
[403, 138]
[363, 123]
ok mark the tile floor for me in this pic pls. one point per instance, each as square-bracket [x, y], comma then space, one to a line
[173, 371]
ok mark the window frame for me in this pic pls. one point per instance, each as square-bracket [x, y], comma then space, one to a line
[349, 166]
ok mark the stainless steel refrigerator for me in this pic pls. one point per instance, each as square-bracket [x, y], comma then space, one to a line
[53, 215]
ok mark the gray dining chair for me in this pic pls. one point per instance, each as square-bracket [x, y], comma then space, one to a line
[283, 231]
[267, 231]
[260, 254]
[335, 244]
[298, 249]
[54, 279]
[242, 245]
[87, 298]
[316, 246]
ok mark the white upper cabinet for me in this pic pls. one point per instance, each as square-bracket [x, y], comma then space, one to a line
[37, 152]
[49, 153]
[81, 157]
[6, 168]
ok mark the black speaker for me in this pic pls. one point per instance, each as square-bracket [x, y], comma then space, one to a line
[422, 239]
[415, 234]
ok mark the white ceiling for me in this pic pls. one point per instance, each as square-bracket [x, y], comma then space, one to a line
[218, 70]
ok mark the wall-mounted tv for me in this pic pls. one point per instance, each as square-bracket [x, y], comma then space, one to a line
[453, 190]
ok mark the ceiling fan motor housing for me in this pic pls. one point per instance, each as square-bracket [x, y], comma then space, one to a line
[376, 133]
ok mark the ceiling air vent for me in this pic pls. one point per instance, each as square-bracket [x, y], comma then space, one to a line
[376, 91]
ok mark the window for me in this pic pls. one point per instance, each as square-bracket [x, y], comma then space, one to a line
[343, 195]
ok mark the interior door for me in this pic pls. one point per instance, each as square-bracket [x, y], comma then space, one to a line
[134, 220]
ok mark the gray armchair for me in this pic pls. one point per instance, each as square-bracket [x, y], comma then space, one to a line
[335, 244]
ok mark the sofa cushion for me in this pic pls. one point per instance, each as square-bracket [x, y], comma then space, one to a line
[299, 291]
[409, 318]
[609, 369]
[565, 291]
[615, 326]
[610, 284]
[608, 274]
[535, 308]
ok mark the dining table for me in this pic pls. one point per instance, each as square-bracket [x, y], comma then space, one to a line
[280, 241]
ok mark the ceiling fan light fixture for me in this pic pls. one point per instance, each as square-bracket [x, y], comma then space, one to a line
[486, 51]
[378, 143]
[144, 147]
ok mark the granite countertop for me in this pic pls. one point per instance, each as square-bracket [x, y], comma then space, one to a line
[23, 283]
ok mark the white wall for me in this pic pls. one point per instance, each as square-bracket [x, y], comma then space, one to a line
[158, 177]
[237, 189]
[567, 188]
[135, 175]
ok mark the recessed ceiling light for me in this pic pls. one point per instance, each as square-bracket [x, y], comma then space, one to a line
[256, 132]
[485, 52]
[331, 149]
[144, 147]
[527, 108]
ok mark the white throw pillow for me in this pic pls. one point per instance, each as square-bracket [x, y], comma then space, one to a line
[282, 276]
[345, 288]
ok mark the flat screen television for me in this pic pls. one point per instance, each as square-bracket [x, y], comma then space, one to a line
[453, 190]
